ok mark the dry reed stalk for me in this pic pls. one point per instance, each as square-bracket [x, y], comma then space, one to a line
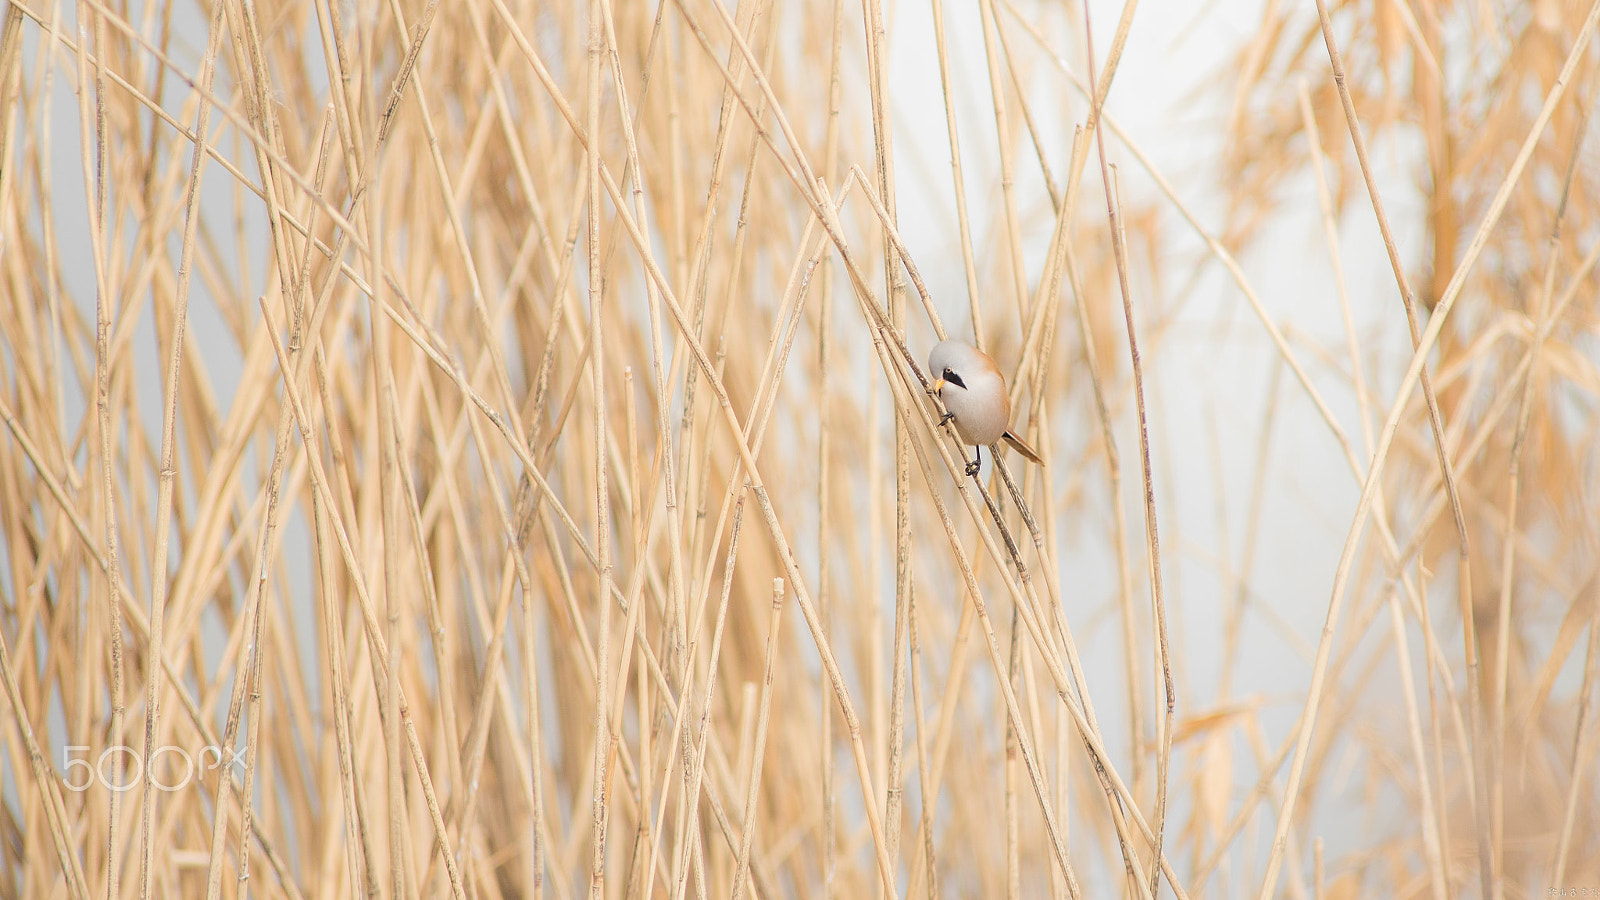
[1152, 540]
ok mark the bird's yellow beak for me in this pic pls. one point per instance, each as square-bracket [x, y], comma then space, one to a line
[938, 385]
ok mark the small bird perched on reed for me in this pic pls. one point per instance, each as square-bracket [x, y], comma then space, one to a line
[974, 395]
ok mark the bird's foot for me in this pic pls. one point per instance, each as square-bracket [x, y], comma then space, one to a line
[946, 417]
[972, 467]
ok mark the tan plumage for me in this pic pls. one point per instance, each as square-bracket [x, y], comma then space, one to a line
[974, 393]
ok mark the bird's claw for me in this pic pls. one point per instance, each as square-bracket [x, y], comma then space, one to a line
[946, 417]
[972, 467]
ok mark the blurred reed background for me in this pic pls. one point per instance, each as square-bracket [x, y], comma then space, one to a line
[476, 449]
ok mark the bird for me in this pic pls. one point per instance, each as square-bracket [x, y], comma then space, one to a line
[974, 395]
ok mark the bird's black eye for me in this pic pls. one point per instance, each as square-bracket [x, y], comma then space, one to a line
[954, 379]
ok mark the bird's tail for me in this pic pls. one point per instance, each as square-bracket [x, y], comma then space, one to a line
[1021, 446]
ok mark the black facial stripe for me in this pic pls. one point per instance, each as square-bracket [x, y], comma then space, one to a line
[954, 379]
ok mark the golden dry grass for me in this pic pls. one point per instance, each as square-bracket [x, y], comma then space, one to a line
[475, 458]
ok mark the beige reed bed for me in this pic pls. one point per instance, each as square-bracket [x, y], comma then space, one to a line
[481, 449]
